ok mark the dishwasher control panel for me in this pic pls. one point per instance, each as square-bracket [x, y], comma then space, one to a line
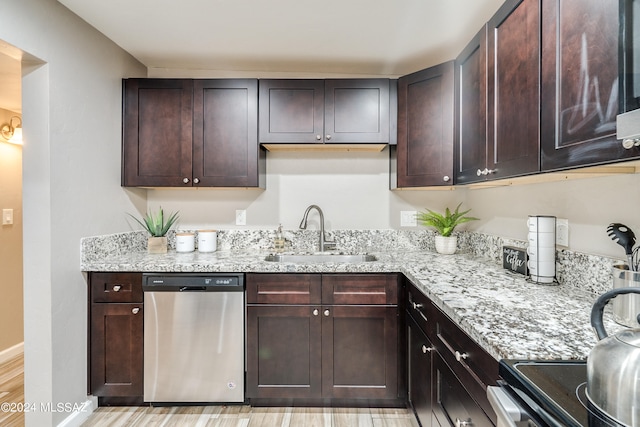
[188, 282]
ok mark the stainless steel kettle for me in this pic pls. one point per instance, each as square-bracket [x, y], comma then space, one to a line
[613, 367]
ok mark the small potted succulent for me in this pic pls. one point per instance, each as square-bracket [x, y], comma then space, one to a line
[157, 227]
[444, 224]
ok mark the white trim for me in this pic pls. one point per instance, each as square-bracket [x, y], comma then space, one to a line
[11, 352]
[76, 418]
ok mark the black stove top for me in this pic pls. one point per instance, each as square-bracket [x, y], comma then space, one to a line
[549, 389]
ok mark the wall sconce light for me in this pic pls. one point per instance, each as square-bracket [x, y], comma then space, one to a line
[11, 133]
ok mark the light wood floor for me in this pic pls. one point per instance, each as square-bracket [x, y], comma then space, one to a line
[12, 392]
[245, 416]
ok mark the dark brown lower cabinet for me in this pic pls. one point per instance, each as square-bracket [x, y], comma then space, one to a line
[419, 369]
[116, 338]
[116, 349]
[359, 352]
[447, 371]
[322, 353]
[452, 403]
[283, 352]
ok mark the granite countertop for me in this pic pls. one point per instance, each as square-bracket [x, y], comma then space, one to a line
[505, 313]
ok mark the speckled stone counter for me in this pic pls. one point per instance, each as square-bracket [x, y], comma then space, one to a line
[504, 312]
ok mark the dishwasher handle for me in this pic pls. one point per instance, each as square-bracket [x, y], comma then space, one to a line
[192, 289]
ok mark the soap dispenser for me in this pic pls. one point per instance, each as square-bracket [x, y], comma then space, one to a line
[278, 242]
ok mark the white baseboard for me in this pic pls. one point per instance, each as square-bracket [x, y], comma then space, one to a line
[75, 419]
[11, 352]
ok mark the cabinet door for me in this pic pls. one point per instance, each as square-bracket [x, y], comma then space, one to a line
[359, 352]
[116, 356]
[356, 110]
[471, 107]
[225, 133]
[420, 377]
[513, 89]
[453, 406]
[579, 83]
[291, 111]
[425, 127]
[157, 132]
[283, 352]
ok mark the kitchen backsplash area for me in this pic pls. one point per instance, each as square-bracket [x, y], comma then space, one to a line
[591, 273]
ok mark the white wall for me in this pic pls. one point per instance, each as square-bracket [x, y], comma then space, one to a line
[351, 188]
[71, 161]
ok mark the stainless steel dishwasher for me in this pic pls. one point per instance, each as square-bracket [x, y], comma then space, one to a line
[193, 338]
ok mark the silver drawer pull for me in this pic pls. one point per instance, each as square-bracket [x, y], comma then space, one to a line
[426, 349]
[116, 288]
[416, 305]
[461, 423]
[461, 356]
[135, 310]
[316, 312]
[327, 312]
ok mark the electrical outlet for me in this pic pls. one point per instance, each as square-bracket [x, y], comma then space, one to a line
[408, 219]
[562, 232]
[241, 217]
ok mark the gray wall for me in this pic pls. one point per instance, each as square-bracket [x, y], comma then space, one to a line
[71, 160]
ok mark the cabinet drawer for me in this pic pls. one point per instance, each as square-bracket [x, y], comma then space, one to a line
[453, 404]
[458, 348]
[116, 287]
[283, 288]
[361, 289]
[421, 309]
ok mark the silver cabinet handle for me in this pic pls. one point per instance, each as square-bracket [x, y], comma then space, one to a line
[318, 137]
[327, 312]
[486, 172]
[461, 356]
[185, 180]
[135, 310]
[116, 288]
[328, 137]
[446, 178]
[196, 181]
[629, 143]
[426, 349]
[461, 423]
[315, 312]
[416, 305]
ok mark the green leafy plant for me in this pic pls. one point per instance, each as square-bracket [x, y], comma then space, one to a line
[156, 224]
[444, 224]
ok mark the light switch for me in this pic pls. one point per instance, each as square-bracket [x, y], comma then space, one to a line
[7, 216]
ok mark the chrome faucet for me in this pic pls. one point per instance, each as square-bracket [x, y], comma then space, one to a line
[324, 243]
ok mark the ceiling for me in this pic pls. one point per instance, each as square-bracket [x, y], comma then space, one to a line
[362, 37]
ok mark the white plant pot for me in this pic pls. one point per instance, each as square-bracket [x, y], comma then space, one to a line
[446, 245]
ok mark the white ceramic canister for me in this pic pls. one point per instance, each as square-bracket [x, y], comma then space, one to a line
[207, 240]
[185, 242]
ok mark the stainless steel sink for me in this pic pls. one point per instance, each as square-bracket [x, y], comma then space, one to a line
[321, 257]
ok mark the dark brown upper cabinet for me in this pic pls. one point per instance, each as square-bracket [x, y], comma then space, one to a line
[580, 84]
[513, 88]
[424, 153]
[184, 133]
[471, 110]
[498, 125]
[324, 111]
